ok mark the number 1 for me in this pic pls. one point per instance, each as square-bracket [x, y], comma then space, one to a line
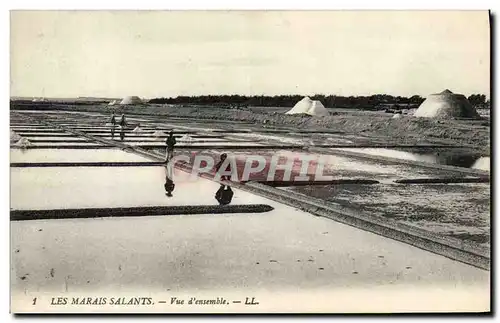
[34, 301]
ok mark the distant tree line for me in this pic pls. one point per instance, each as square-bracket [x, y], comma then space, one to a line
[374, 102]
[330, 101]
[479, 100]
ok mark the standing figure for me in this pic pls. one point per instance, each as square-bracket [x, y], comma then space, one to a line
[223, 157]
[170, 146]
[113, 124]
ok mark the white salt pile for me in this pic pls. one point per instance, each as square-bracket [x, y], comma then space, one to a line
[186, 138]
[23, 142]
[482, 163]
[446, 105]
[159, 133]
[310, 107]
[14, 136]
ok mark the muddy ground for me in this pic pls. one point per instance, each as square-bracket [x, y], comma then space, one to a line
[457, 210]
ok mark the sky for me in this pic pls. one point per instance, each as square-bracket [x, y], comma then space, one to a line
[170, 53]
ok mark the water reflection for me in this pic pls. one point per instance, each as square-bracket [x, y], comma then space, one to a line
[169, 186]
[169, 183]
[224, 195]
[451, 158]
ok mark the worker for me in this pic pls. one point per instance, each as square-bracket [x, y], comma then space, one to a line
[223, 157]
[170, 146]
[113, 124]
[122, 121]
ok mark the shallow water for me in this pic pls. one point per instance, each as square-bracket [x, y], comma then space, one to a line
[72, 155]
[451, 158]
[88, 187]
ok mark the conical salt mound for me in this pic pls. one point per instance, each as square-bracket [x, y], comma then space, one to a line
[310, 107]
[131, 100]
[446, 105]
[159, 133]
[23, 142]
[446, 92]
[482, 163]
[186, 138]
[396, 116]
[137, 129]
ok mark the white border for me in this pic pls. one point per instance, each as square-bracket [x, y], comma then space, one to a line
[184, 5]
[253, 5]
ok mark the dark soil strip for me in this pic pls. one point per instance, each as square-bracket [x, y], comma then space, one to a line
[97, 146]
[374, 145]
[30, 128]
[88, 164]
[231, 131]
[22, 215]
[312, 183]
[161, 141]
[451, 180]
[36, 130]
[41, 134]
[64, 135]
[150, 135]
[105, 128]
[66, 141]
[128, 131]
[278, 146]
[225, 147]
